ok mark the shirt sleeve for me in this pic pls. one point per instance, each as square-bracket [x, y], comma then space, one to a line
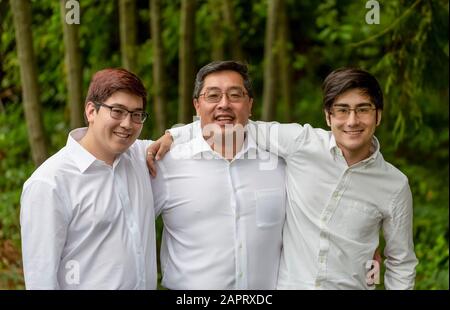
[160, 190]
[184, 133]
[281, 139]
[400, 260]
[44, 220]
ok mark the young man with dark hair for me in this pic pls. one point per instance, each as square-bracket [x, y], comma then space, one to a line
[87, 216]
[342, 192]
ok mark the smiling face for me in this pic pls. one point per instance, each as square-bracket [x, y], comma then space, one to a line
[223, 112]
[354, 134]
[108, 137]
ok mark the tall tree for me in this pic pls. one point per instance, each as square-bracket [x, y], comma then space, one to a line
[232, 30]
[73, 68]
[3, 10]
[21, 10]
[128, 34]
[216, 31]
[186, 60]
[159, 76]
[268, 111]
[284, 61]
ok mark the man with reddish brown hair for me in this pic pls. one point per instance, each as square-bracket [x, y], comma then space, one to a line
[87, 216]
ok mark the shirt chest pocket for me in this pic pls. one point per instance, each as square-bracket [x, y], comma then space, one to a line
[360, 221]
[270, 207]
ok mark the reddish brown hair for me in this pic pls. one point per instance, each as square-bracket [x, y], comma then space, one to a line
[106, 82]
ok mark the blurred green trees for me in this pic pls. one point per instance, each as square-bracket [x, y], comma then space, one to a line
[407, 51]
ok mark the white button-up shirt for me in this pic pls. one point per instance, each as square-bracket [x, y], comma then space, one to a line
[223, 219]
[88, 225]
[335, 213]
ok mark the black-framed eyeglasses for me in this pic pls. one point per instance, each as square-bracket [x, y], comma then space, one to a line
[214, 95]
[119, 113]
[343, 112]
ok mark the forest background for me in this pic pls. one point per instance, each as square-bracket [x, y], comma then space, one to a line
[46, 62]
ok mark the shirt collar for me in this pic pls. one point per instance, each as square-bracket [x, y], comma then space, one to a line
[374, 149]
[199, 145]
[80, 156]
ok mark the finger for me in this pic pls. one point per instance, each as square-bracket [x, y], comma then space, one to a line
[151, 163]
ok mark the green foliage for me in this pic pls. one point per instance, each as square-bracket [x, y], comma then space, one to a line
[408, 52]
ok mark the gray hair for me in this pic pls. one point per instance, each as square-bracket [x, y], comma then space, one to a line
[217, 66]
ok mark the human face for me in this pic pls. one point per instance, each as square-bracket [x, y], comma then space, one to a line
[354, 134]
[223, 112]
[109, 137]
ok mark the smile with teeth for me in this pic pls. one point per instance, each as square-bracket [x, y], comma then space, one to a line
[353, 132]
[122, 134]
[224, 118]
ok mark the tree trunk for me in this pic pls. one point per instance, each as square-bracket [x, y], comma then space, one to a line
[73, 68]
[216, 31]
[3, 11]
[232, 30]
[284, 61]
[269, 103]
[21, 11]
[159, 76]
[127, 24]
[186, 61]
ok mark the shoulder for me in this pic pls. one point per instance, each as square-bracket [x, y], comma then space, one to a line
[53, 168]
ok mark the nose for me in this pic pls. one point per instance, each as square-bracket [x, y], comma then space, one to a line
[224, 102]
[126, 122]
[352, 118]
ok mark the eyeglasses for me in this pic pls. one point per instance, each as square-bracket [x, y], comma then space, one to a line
[343, 112]
[214, 95]
[137, 117]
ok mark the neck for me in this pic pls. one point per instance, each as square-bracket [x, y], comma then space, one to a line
[227, 144]
[89, 143]
[355, 157]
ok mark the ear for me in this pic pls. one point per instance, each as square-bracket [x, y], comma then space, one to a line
[90, 111]
[327, 117]
[379, 113]
[196, 106]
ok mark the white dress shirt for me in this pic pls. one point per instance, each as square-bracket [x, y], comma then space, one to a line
[223, 219]
[335, 213]
[88, 225]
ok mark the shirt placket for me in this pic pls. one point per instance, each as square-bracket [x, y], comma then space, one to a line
[239, 239]
[324, 239]
[133, 228]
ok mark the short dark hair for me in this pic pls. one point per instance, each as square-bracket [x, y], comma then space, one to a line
[106, 82]
[217, 66]
[341, 80]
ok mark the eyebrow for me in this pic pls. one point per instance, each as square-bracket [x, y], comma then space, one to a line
[357, 105]
[118, 105]
[229, 88]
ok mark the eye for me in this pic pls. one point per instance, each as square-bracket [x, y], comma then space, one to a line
[213, 96]
[341, 110]
[118, 111]
[138, 115]
[363, 110]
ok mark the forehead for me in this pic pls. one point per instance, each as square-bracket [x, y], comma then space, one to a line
[126, 100]
[223, 80]
[353, 97]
